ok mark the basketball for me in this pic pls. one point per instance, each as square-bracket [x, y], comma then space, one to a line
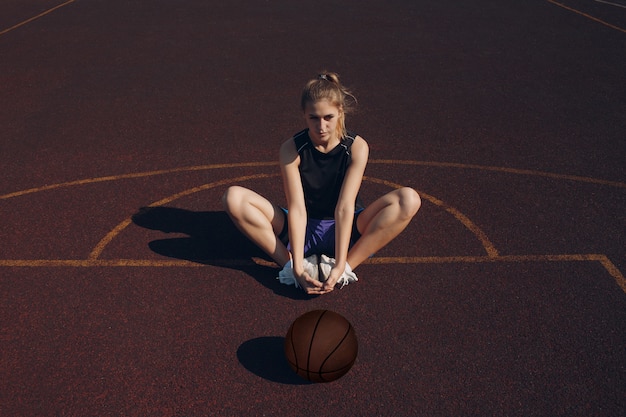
[321, 346]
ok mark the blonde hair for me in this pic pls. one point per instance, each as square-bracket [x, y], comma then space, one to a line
[326, 86]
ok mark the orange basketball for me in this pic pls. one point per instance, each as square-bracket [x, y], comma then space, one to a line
[321, 346]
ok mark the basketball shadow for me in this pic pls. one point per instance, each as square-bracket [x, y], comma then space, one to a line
[212, 239]
[264, 357]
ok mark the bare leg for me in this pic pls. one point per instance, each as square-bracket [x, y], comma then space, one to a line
[258, 219]
[382, 221]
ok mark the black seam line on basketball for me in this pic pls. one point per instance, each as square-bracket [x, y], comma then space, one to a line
[348, 366]
[333, 351]
[343, 369]
[308, 359]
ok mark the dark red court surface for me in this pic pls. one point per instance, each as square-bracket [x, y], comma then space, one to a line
[124, 290]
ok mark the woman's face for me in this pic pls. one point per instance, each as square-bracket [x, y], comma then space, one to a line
[321, 119]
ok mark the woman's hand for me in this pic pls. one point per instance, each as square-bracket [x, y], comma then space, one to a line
[335, 274]
[308, 284]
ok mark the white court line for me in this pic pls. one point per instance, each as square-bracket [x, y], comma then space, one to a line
[36, 17]
[623, 6]
[588, 16]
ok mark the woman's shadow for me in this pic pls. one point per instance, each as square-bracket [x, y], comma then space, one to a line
[212, 239]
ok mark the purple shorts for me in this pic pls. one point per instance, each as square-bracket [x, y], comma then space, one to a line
[320, 235]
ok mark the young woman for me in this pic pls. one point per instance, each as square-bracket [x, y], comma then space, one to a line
[322, 169]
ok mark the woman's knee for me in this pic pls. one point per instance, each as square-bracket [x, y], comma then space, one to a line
[410, 202]
[232, 198]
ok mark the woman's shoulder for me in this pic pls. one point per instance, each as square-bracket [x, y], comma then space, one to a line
[298, 139]
[359, 146]
[352, 138]
[290, 149]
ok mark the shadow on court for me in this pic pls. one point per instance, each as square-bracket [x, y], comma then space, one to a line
[212, 235]
[212, 239]
[263, 356]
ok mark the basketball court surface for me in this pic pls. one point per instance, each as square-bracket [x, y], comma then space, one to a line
[125, 291]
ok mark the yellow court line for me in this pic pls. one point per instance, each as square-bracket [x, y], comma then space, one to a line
[610, 267]
[492, 252]
[470, 225]
[94, 263]
[613, 271]
[384, 260]
[134, 175]
[505, 170]
[588, 16]
[463, 219]
[36, 17]
[97, 250]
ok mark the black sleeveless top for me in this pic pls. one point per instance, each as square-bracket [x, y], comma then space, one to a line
[322, 174]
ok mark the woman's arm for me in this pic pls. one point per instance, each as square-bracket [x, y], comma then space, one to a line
[344, 210]
[297, 214]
